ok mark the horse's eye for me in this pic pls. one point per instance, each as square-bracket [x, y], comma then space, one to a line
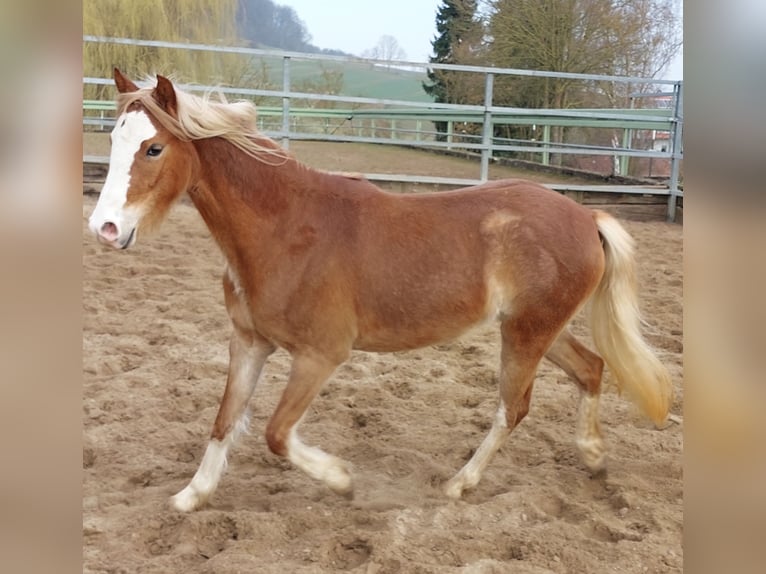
[154, 150]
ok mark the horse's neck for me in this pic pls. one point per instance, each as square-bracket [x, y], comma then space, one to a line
[242, 198]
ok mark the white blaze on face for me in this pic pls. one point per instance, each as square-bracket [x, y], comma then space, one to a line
[111, 221]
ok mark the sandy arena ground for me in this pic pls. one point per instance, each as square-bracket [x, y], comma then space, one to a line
[155, 353]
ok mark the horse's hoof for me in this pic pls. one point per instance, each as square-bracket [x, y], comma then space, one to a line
[338, 479]
[186, 501]
[348, 494]
[454, 489]
[593, 454]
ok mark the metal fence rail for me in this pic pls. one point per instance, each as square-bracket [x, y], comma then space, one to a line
[413, 123]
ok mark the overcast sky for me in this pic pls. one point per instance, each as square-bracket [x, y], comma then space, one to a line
[356, 25]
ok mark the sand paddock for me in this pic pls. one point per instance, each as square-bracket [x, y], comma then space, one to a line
[155, 353]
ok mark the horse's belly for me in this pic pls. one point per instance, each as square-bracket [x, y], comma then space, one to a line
[415, 324]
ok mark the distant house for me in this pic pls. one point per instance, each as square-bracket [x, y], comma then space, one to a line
[653, 167]
[660, 141]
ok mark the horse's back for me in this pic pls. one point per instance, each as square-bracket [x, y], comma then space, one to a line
[513, 222]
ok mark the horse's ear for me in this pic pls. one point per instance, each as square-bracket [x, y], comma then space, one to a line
[165, 95]
[123, 84]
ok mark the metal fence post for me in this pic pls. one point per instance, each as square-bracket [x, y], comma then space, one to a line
[546, 144]
[627, 143]
[675, 151]
[286, 102]
[486, 140]
[627, 139]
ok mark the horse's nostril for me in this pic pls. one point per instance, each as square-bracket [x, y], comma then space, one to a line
[109, 231]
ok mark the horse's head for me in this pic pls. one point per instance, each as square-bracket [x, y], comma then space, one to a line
[149, 167]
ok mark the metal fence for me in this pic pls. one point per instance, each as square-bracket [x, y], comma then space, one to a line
[412, 123]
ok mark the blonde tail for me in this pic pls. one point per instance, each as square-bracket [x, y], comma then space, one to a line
[616, 325]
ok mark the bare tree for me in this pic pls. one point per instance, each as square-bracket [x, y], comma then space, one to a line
[612, 37]
[387, 49]
[600, 37]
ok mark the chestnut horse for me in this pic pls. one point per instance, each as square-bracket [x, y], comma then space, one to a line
[321, 264]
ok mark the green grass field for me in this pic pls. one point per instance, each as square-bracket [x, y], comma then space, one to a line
[359, 79]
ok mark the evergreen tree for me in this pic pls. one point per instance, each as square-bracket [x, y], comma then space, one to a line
[459, 38]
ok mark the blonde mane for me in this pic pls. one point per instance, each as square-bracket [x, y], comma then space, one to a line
[201, 118]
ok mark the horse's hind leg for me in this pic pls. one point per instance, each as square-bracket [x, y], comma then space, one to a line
[585, 368]
[307, 374]
[522, 351]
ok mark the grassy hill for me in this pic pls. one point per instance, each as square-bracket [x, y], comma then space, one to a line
[359, 79]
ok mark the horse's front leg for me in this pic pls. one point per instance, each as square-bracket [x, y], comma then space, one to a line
[247, 357]
[309, 370]
[248, 352]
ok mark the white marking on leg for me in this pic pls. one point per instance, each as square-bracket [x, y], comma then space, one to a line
[588, 436]
[470, 475]
[210, 470]
[319, 465]
[245, 368]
